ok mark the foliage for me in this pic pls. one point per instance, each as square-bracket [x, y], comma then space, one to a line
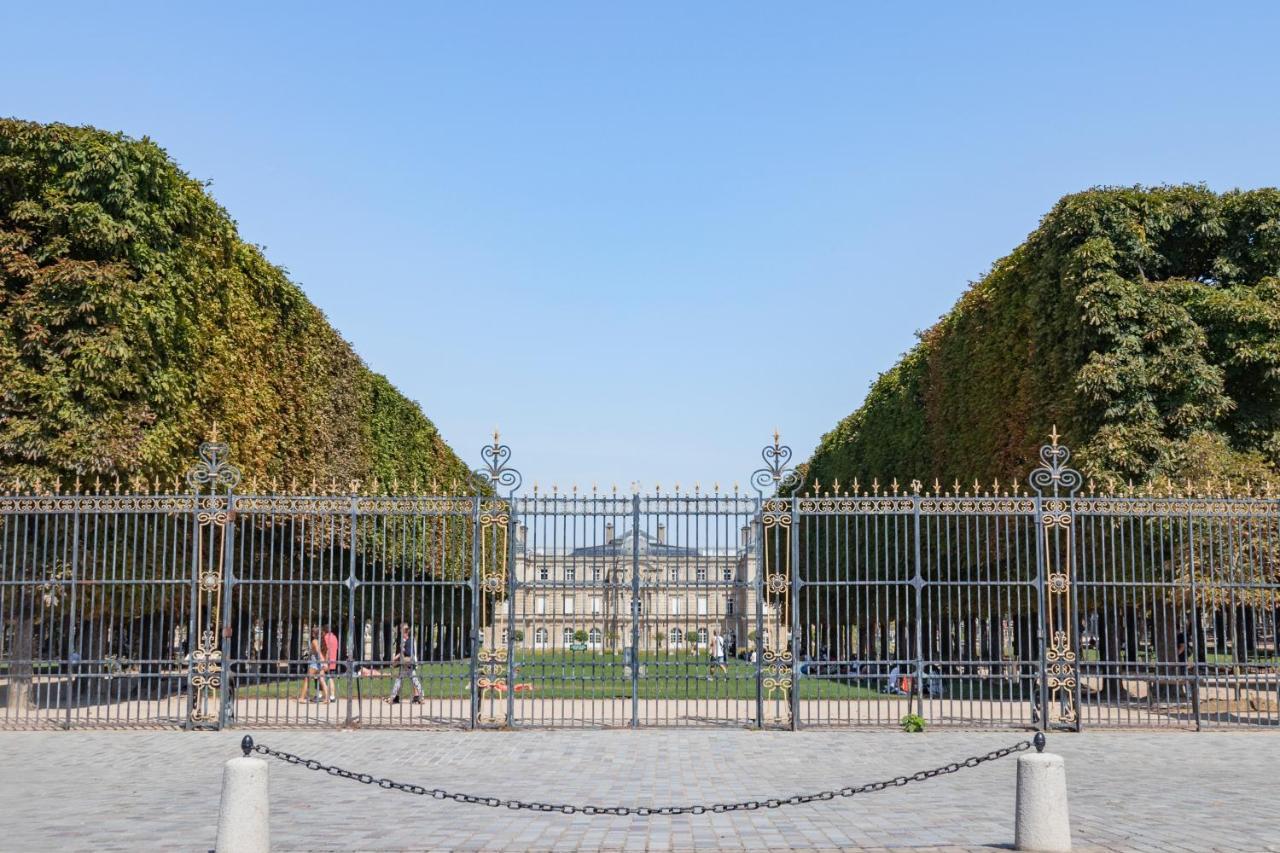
[912, 723]
[579, 636]
[133, 318]
[1142, 322]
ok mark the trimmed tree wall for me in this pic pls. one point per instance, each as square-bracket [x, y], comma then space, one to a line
[133, 317]
[1144, 323]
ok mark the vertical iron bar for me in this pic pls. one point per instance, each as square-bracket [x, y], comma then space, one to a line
[797, 671]
[1042, 719]
[636, 610]
[74, 686]
[510, 605]
[224, 633]
[756, 533]
[917, 581]
[476, 556]
[352, 583]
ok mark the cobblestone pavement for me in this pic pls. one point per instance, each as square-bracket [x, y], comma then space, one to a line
[1174, 791]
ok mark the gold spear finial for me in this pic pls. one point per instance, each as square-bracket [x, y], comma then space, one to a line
[497, 436]
[213, 433]
[1053, 435]
[777, 437]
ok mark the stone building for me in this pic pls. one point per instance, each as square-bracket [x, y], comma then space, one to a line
[582, 597]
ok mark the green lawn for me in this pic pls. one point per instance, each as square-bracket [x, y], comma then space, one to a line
[586, 675]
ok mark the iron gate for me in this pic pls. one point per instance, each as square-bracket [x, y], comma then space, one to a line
[789, 605]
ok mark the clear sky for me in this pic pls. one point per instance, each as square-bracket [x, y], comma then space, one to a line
[638, 237]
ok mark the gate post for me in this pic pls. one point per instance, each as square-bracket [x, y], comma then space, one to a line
[208, 654]
[1055, 485]
[779, 583]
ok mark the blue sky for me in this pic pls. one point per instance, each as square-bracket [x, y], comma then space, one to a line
[637, 238]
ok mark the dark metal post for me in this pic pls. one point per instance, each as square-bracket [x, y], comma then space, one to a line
[354, 642]
[193, 621]
[226, 694]
[476, 546]
[512, 586]
[636, 610]
[917, 583]
[1072, 576]
[1192, 645]
[1042, 600]
[73, 681]
[757, 534]
[797, 633]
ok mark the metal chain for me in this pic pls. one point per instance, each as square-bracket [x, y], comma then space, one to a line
[641, 811]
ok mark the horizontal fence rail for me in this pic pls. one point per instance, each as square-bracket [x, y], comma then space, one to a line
[788, 606]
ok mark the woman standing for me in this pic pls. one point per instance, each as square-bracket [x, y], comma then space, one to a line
[315, 667]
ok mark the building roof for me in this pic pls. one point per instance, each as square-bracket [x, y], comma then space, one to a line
[629, 543]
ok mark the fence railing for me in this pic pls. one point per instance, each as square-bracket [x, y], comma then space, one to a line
[792, 605]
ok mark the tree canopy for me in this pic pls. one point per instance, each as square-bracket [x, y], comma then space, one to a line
[1143, 322]
[133, 317]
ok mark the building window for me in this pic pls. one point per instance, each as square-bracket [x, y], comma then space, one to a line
[570, 574]
[595, 573]
[540, 637]
[594, 636]
[702, 605]
[676, 636]
[597, 604]
[728, 606]
[544, 573]
[568, 603]
[673, 606]
[702, 636]
[540, 604]
[504, 636]
[567, 636]
[675, 573]
[702, 573]
[728, 573]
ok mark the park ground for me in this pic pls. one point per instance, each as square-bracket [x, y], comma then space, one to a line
[1133, 790]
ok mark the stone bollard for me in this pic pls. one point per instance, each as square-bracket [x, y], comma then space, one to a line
[1041, 819]
[244, 817]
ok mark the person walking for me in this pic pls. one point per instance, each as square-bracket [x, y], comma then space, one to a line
[331, 647]
[407, 657]
[717, 656]
[315, 667]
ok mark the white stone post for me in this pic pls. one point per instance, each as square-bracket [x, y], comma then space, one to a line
[1042, 822]
[244, 816]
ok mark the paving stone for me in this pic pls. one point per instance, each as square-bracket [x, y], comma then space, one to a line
[1167, 791]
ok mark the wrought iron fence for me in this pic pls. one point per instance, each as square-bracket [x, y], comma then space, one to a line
[787, 605]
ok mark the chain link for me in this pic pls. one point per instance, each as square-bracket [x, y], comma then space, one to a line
[643, 811]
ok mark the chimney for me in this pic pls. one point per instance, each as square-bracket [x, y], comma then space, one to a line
[662, 533]
[746, 535]
[608, 532]
[522, 532]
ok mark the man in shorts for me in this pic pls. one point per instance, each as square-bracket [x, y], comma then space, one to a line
[407, 657]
